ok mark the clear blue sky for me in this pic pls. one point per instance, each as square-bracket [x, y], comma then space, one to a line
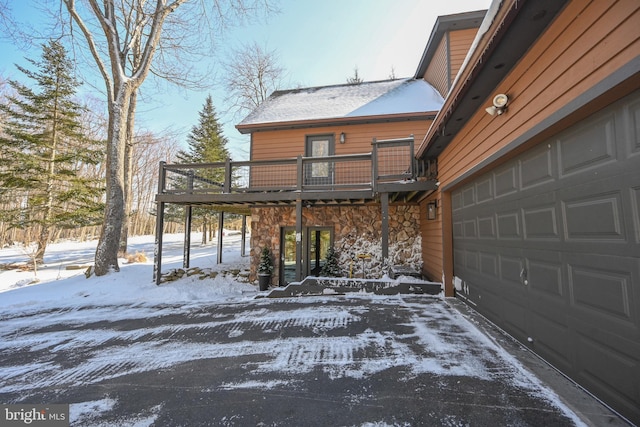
[318, 43]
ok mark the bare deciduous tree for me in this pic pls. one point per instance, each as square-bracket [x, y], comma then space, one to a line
[124, 37]
[251, 74]
[148, 152]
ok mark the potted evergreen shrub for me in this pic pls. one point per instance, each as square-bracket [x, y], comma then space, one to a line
[265, 269]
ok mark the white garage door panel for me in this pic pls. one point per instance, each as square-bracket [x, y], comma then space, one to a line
[547, 245]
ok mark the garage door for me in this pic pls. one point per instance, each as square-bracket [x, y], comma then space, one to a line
[547, 246]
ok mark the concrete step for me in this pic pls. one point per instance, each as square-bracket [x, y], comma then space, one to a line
[314, 286]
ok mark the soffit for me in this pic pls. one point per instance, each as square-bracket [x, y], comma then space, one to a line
[518, 24]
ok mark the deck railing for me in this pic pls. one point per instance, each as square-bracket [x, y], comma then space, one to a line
[389, 160]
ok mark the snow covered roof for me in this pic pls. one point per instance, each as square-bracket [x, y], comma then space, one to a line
[382, 98]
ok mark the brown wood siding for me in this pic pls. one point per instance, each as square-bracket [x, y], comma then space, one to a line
[584, 45]
[283, 144]
[431, 252]
[437, 73]
[459, 44]
[280, 144]
[568, 60]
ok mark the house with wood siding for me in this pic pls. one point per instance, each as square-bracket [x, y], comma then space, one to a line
[519, 188]
[538, 207]
[333, 166]
[357, 149]
[330, 167]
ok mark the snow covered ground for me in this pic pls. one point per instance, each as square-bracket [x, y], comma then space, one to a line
[76, 340]
[58, 286]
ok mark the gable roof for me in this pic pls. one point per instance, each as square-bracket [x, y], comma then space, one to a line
[444, 24]
[348, 103]
[508, 30]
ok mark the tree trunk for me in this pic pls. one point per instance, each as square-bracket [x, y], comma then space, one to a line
[45, 232]
[204, 230]
[128, 172]
[43, 239]
[106, 258]
[212, 229]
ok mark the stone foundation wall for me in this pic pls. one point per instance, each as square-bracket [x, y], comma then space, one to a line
[357, 229]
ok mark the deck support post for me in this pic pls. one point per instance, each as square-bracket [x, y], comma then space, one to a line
[298, 240]
[220, 230]
[384, 202]
[186, 252]
[243, 250]
[157, 250]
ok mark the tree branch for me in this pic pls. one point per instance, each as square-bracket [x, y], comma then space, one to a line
[71, 7]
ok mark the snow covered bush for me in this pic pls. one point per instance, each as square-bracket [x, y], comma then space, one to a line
[407, 253]
[351, 247]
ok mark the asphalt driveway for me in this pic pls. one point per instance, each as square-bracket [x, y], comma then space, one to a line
[361, 360]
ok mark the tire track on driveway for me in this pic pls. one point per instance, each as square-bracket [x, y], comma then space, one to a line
[392, 359]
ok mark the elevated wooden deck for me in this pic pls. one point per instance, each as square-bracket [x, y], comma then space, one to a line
[348, 179]
[389, 173]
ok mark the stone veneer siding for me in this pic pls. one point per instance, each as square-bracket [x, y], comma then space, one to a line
[350, 223]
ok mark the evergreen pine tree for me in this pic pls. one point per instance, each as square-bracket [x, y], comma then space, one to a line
[266, 264]
[43, 150]
[207, 144]
[331, 268]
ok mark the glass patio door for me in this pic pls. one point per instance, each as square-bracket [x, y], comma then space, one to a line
[315, 245]
[319, 241]
[319, 173]
[288, 255]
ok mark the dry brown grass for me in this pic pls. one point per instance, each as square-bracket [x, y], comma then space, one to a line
[137, 257]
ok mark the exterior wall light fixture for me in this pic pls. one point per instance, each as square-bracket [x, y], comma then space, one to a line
[432, 210]
[499, 106]
[343, 138]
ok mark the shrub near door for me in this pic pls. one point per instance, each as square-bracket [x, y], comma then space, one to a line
[265, 269]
